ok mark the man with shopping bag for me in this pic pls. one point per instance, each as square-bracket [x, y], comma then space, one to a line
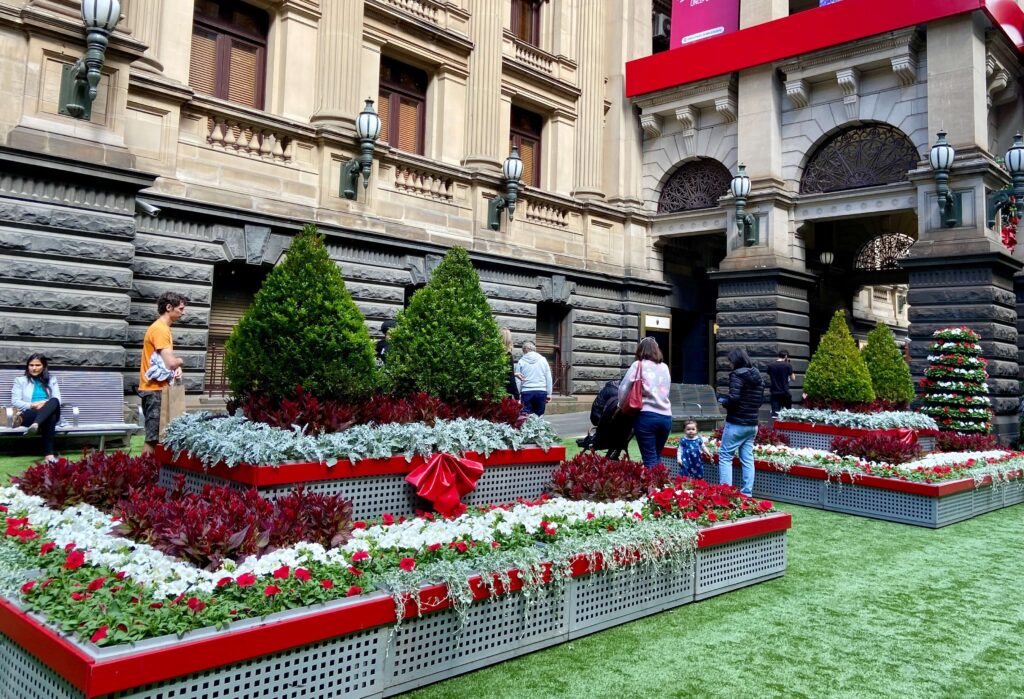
[160, 387]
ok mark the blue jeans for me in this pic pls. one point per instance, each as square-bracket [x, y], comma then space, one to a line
[534, 402]
[651, 430]
[737, 437]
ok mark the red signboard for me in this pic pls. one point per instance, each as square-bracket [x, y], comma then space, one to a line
[693, 20]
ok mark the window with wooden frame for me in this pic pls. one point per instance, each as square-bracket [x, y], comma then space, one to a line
[402, 105]
[525, 135]
[526, 21]
[229, 51]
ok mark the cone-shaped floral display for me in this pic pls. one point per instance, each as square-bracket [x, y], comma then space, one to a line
[954, 388]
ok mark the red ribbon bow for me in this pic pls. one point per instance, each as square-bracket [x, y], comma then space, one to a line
[444, 479]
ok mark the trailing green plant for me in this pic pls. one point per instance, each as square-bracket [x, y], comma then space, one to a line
[837, 371]
[447, 342]
[302, 329]
[890, 374]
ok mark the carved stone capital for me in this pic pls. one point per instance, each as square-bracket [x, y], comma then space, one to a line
[687, 116]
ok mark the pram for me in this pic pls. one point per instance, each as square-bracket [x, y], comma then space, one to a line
[612, 428]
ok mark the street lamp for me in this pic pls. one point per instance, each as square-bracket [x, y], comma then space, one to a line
[512, 171]
[827, 257]
[745, 223]
[367, 130]
[79, 82]
[1014, 163]
[941, 159]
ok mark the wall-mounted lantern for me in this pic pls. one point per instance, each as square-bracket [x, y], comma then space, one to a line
[512, 171]
[367, 130]
[79, 82]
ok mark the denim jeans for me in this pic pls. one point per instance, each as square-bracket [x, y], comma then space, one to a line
[737, 437]
[534, 402]
[651, 430]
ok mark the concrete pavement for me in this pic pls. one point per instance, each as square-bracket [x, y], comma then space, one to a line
[570, 424]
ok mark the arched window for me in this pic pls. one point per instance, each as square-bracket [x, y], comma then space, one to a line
[883, 252]
[695, 185]
[860, 156]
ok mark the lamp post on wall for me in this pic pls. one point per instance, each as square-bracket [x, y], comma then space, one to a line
[367, 130]
[941, 159]
[746, 224]
[1014, 163]
[512, 171]
[79, 82]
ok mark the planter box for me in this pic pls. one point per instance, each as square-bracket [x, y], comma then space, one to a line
[347, 648]
[923, 504]
[805, 435]
[374, 486]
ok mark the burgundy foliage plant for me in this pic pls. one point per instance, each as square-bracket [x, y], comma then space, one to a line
[960, 441]
[878, 447]
[590, 476]
[99, 479]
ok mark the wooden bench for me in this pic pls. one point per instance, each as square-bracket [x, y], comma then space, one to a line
[698, 402]
[92, 405]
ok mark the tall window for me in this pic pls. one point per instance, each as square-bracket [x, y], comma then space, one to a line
[229, 51]
[526, 21]
[525, 135]
[401, 104]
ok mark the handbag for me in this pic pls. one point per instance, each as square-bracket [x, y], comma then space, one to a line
[635, 397]
[172, 404]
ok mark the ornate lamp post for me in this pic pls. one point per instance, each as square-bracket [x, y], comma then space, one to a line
[746, 224]
[79, 82]
[941, 159]
[367, 130]
[512, 171]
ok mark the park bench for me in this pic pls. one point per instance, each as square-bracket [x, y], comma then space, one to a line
[698, 402]
[92, 405]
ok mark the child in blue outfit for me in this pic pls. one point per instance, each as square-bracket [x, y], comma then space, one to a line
[691, 453]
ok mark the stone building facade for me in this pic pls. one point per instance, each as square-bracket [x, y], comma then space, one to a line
[220, 127]
[833, 111]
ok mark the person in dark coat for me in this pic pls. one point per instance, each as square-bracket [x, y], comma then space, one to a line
[742, 404]
[609, 393]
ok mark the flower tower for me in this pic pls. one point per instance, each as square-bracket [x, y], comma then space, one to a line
[954, 388]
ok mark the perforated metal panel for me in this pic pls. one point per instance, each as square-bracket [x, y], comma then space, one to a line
[881, 504]
[954, 508]
[24, 677]
[987, 498]
[739, 563]
[786, 488]
[434, 647]
[606, 599]
[927, 443]
[808, 440]
[501, 484]
[1014, 493]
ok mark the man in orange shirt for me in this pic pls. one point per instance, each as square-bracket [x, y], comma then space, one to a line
[171, 307]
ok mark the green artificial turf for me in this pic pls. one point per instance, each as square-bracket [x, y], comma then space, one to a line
[866, 609]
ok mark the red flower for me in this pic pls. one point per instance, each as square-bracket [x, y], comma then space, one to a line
[156, 605]
[78, 596]
[550, 530]
[74, 560]
[495, 545]
[353, 591]
[359, 524]
[28, 586]
[271, 590]
[100, 634]
[355, 571]
[225, 581]
[246, 580]
[283, 573]
[120, 575]
[388, 519]
[196, 604]
[765, 505]
[407, 564]
[17, 521]
[433, 547]
[327, 584]
[359, 556]
[46, 548]
[96, 584]
[590, 515]
[460, 546]
[302, 574]
[70, 547]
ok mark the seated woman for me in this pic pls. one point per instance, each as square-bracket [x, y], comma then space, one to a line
[37, 396]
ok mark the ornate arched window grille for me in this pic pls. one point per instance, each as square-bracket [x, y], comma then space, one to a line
[697, 184]
[860, 156]
[883, 252]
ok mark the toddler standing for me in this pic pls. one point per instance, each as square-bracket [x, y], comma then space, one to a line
[692, 451]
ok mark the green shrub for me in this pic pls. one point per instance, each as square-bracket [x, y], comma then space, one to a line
[837, 371]
[447, 342]
[890, 374]
[302, 329]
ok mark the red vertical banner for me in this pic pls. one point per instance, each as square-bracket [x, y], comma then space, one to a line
[693, 20]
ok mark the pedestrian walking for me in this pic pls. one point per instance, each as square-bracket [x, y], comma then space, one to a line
[534, 379]
[654, 421]
[742, 404]
[780, 373]
[159, 364]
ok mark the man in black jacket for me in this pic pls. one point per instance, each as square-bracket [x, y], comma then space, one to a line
[609, 392]
[746, 393]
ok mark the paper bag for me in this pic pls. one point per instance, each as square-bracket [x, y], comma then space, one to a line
[172, 404]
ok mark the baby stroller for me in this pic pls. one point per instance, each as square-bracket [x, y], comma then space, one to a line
[613, 429]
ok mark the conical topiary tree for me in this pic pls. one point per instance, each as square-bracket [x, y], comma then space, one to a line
[447, 342]
[954, 387]
[837, 373]
[302, 329]
[890, 375]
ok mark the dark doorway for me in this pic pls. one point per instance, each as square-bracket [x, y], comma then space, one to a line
[234, 287]
[552, 319]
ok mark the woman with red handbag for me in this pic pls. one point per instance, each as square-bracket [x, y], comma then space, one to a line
[644, 392]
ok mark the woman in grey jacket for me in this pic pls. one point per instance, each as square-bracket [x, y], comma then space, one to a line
[37, 396]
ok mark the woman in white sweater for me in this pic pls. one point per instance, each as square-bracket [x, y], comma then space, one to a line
[654, 422]
[37, 396]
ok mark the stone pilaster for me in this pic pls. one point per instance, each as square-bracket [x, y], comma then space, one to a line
[589, 124]
[627, 35]
[339, 53]
[485, 144]
[145, 17]
[763, 311]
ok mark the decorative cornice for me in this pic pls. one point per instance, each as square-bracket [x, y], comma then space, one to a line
[699, 93]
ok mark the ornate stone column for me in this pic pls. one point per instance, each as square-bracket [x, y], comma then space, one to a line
[145, 18]
[339, 50]
[485, 144]
[590, 119]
